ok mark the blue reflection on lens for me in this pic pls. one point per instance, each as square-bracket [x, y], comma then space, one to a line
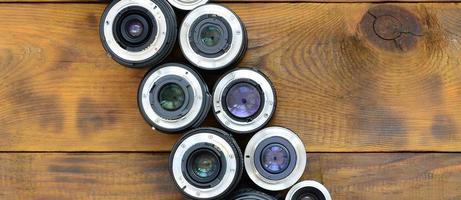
[275, 158]
[243, 100]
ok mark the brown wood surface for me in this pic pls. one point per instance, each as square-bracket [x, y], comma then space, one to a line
[70, 126]
[339, 85]
[248, 1]
[351, 176]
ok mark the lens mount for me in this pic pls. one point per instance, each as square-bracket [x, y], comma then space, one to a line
[250, 194]
[152, 37]
[187, 4]
[253, 162]
[213, 142]
[229, 35]
[308, 188]
[253, 118]
[195, 98]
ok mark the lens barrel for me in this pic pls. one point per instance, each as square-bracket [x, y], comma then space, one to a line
[308, 190]
[244, 100]
[138, 33]
[173, 97]
[212, 37]
[206, 163]
[275, 158]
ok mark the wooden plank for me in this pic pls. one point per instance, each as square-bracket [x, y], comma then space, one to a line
[354, 176]
[339, 85]
[240, 1]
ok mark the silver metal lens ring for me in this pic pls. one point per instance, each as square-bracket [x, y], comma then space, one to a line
[138, 33]
[173, 97]
[223, 169]
[244, 100]
[267, 155]
[212, 37]
[187, 4]
[306, 189]
[250, 194]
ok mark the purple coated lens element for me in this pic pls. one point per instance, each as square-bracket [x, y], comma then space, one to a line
[275, 158]
[135, 28]
[243, 100]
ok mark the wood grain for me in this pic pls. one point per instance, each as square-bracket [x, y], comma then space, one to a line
[144, 176]
[339, 86]
[240, 1]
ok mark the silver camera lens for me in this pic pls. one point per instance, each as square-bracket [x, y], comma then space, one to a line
[250, 194]
[173, 97]
[187, 4]
[308, 190]
[244, 100]
[275, 158]
[212, 37]
[138, 33]
[206, 163]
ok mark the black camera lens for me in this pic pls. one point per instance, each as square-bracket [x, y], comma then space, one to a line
[250, 194]
[244, 100]
[138, 33]
[212, 37]
[275, 158]
[308, 190]
[206, 163]
[173, 97]
[187, 4]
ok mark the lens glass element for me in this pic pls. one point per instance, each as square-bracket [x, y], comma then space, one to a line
[171, 97]
[275, 158]
[205, 164]
[243, 100]
[210, 35]
[134, 28]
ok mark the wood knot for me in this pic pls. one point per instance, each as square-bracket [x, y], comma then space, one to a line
[391, 28]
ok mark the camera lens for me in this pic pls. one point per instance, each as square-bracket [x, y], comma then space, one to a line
[308, 190]
[250, 194]
[244, 100]
[212, 37]
[187, 4]
[275, 158]
[173, 97]
[138, 33]
[206, 163]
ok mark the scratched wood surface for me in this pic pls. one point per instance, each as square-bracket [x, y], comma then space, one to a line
[353, 80]
[341, 86]
[351, 176]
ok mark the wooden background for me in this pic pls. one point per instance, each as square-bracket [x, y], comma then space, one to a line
[377, 104]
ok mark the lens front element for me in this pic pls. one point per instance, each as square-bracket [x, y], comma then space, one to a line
[210, 35]
[171, 97]
[243, 100]
[205, 164]
[135, 28]
[275, 158]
